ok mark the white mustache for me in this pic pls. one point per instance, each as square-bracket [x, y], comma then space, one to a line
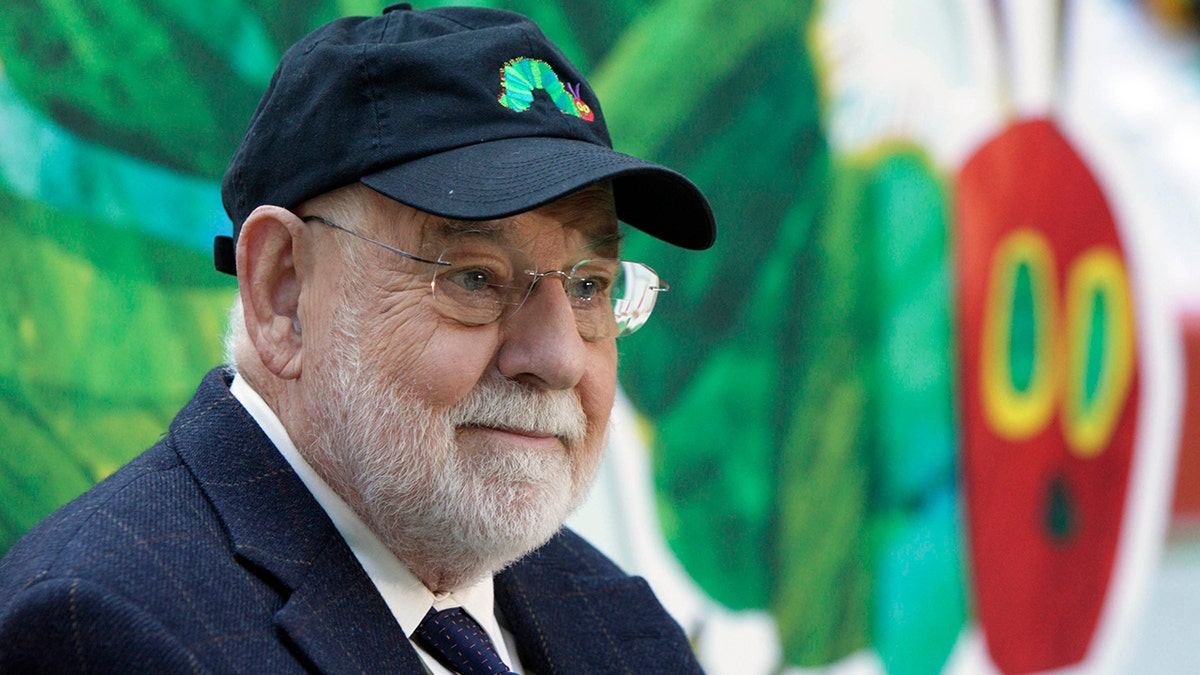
[505, 404]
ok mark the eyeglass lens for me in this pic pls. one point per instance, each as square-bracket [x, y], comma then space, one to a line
[483, 283]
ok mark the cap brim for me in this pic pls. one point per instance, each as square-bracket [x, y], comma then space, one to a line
[500, 178]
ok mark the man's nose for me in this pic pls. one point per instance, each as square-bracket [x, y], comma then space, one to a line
[541, 342]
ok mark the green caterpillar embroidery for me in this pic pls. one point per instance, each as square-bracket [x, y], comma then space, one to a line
[521, 76]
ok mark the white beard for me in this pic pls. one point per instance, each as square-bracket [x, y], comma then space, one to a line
[453, 516]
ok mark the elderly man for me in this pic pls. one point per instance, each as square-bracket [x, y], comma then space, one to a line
[430, 293]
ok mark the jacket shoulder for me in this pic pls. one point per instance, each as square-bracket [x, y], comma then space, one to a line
[123, 508]
[569, 549]
[572, 609]
[148, 551]
[72, 626]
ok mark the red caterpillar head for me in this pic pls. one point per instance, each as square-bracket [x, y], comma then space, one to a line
[584, 111]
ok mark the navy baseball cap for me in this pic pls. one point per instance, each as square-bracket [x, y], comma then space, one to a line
[463, 112]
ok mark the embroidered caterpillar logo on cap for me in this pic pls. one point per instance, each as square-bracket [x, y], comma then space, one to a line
[521, 76]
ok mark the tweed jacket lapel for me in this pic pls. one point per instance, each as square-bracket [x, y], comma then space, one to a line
[345, 627]
[332, 612]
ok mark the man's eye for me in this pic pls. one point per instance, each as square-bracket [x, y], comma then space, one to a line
[471, 279]
[587, 289]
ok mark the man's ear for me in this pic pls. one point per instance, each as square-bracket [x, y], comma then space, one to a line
[270, 287]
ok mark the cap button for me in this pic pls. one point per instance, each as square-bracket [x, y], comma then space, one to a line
[399, 5]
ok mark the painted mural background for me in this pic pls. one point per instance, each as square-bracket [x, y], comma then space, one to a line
[806, 463]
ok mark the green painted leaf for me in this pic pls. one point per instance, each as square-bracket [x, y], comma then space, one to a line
[821, 553]
[170, 81]
[110, 332]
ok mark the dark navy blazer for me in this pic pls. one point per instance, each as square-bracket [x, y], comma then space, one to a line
[207, 554]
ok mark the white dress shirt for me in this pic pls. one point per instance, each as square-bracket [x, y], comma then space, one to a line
[405, 595]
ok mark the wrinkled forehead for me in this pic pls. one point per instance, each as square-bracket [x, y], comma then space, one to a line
[583, 223]
[542, 237]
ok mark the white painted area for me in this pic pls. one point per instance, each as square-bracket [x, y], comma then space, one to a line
[1031, 54]
[923, 70]
[1167, 640]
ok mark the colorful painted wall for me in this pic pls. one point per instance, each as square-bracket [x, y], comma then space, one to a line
[921, 408]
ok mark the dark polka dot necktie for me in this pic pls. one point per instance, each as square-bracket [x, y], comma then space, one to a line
[458, 642]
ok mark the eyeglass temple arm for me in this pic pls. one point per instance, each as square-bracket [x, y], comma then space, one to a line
[330, 223]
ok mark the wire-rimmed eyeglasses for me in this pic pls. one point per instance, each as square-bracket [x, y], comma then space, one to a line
[477, 283]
